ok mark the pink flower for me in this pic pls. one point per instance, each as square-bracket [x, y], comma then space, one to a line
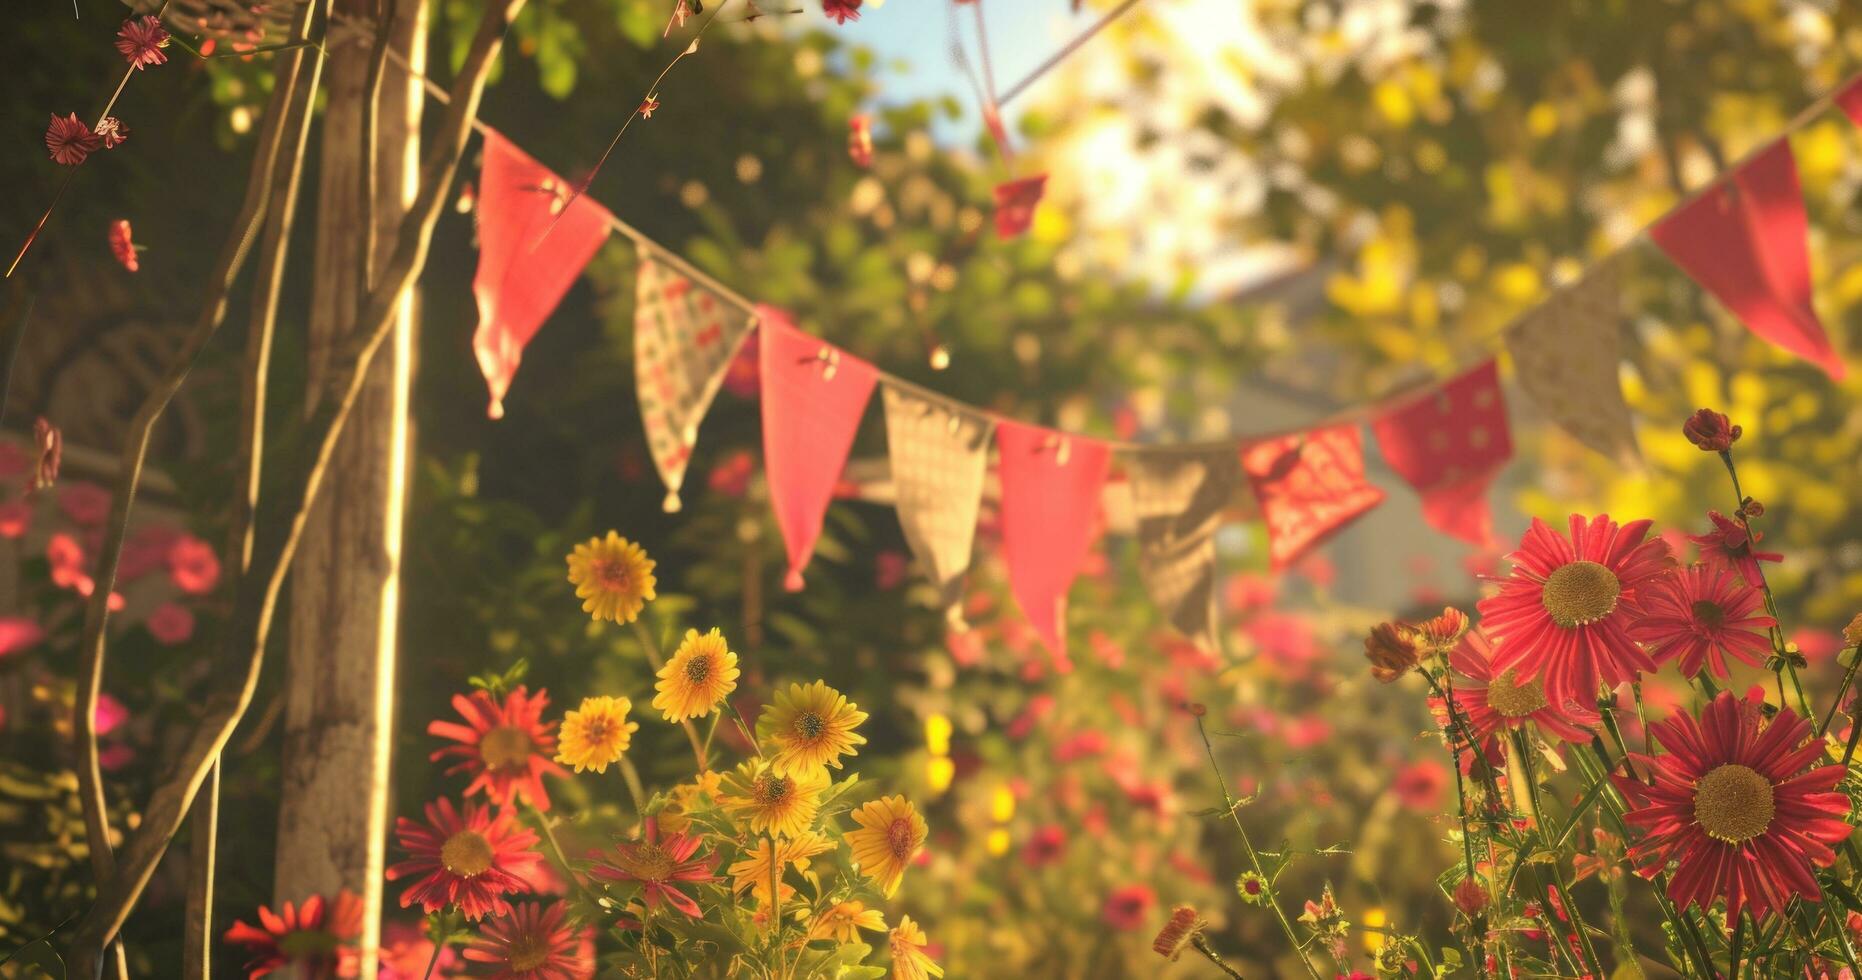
[141, 40]
[145, 551]
[69, 140]
[122, 245]
[84, 503]
[1081, 745]
[731, 477]
[14, 516]
[966, 647]
[860, 141]
[111, 132]
[1247, 592]
[115, 756]
[110, 713]
[170, 623]
[889, 568]
[1015, 204]
[1045, 846]
[841, 11]
[13, 460]
[192, 565]
[1106, 649]
[66, 557]
[18, 633]
[743, 377]
[1306, 732]
[1418, 786]
[1125, 907]
[1729, 545]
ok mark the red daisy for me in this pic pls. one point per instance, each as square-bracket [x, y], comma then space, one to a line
[532, 943]
[141, 40]
[1701, 614]
[470, 859]
[316, 939]
[1563, 614]
[1734, 810]
[1729, 545]
[841, 10]
[69, 139]
[658, 864]
[123, 244]
[1490, 700]
[507, 747]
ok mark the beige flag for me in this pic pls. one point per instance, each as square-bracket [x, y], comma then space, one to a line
[939, 452]
[1566, 352]
[1178, 498]
[684, 338]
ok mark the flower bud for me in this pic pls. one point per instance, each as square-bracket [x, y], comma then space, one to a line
[1177, 933]
[1711, 431]
[1391, 649]
[1470, 897]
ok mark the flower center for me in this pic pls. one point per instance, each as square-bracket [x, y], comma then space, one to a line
[304, 944]
[902, 838]
[772, 790]
[611, 573]
[598, 730]
[698, 669]
[466, 854]
[1512, 699]
[649, 862]
[810, 726]
[528, 952]
[1580, 592]
[505, 747]
[1733, 803]
[1709, 614]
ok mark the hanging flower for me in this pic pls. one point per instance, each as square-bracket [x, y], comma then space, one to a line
[1729, 545]
[811, 728]
[122, 245]
[532, 943]
[141, 40]
[597, 734]
[1699, 616]
[842, 922]
[890, 836]
[1392, 650]
[909, 960]
[1015, 204]
[505, 746]
[111, 132]
[860, 141]
[470, 859]
[700, 675]
[783, 806]
[69, 139]
[770, 859]
[314, 940]
[19, 633]
[1491, 700]
[658, 864]
[50, 444]
[1562, 615]
[613, 577]
[1711, 431]
[841, 11]
[1734, 810]
[648, 106]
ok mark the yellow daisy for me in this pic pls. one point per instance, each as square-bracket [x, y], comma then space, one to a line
[811, 727]
[909, 961]
[890, 835]
[701, 673]
[685, 798]
[753, 873]
[784, 806]
[843, 921]
[595, 735]
[613, 577]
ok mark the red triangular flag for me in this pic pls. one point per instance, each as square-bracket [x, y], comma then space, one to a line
[1449, 445]
[813, 394]
[1746, 242]
[522, 273]
[1849, 99]
[1051, 486]
[1310, 485]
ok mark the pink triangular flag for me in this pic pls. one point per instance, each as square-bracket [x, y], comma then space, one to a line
[813, 395]
[1051, 487]
[1450, 444]
[1746, 242]
[523, 273]
[1849, 99]
[1310, 485]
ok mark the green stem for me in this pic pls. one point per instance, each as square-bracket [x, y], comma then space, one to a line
[1776, 631]
[1254, 860]
[658, 663]
[1209, 953]
[1739, 940]
[562, 860]
[1591, 962]
[1849, 676]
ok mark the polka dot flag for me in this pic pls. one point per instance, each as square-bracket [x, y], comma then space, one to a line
[1450, 444]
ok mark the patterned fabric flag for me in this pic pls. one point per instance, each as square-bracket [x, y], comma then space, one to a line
[1746, 242]
[523, 273]
[939, 453]
[1051, 485]
[684, 339]
[813, 395]
[1309, 486]
[1565, 353]
[1450, 444]
[1178, 497]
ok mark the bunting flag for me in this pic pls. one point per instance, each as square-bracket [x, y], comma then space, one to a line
[523, 273]
[1015, 204]
[813, 395]
[1746, 242]
[1309, 486]
[1178, 499]
[1449, 445]
[1051, 486]
[1565, 354]
[938, 454]
[684, 339]
[1849, 99]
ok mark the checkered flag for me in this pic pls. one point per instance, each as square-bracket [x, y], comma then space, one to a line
[684, 338]
[939, 453]
[1178, 498]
